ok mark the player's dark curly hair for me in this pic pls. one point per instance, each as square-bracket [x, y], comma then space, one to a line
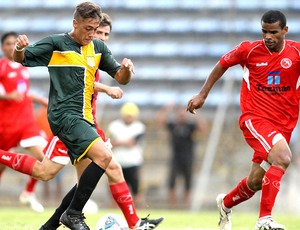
[86, 10]
[8, 34]
[273, 16]
[106, 21]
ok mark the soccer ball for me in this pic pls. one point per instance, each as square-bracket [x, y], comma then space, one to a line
[112, 222]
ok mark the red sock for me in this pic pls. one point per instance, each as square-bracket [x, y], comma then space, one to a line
[20, 162]
[31, 184]
[269, 190]
[122, 196]
[239, 194]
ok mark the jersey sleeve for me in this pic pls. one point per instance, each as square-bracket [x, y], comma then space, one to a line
[2, 68]
[295, 44]
[235, 56]
[39, 54]
[107, 62]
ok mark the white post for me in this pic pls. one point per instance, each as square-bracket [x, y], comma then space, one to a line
[203, 176]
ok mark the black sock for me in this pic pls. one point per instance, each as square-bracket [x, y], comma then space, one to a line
[54, 219]
[87, 183]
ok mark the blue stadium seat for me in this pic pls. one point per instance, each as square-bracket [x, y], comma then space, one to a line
[151, 25]
[205, 25]
[191, 49]
[63, 24]
[216, 4]
[28, 4]
[14, 24]
[42, 24]
[6, 4]
[178, 25]
[294, 4]
[125, 25]
[151, 72]
[248, 5]
[159, 98]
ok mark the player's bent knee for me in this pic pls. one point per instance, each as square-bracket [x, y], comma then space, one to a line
[282, 160]
[114, 166]
[114, 172]
[103, 160]
[47, 176]
[285, 160]
[39, 171]
[46, 172]
[107, 159]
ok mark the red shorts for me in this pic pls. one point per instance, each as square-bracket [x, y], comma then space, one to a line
[58, 152]
[262, 135]
[27, 135]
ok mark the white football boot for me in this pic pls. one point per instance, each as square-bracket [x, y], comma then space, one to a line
[267, 223]
[225, 217]
[28, 198]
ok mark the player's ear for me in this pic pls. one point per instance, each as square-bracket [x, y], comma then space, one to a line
[75, 23]
[285, 30]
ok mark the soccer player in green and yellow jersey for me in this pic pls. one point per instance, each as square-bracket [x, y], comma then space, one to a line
[72, 60]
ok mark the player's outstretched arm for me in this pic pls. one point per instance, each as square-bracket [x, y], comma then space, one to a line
[38, 99]
[22, 43]
[124, 74]
[14, 95]
[112, 91]
[198, 100]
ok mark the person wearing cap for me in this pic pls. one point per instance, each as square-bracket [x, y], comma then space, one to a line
[126, 135]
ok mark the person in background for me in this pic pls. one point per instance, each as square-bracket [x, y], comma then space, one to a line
[269, 102]
[17, 123]
[126, 135]
[182, 134]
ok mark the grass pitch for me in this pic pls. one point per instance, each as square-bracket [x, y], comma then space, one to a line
[25, 219]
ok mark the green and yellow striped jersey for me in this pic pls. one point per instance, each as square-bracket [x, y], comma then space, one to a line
[72, 68]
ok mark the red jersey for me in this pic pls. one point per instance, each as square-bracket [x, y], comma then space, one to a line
[270, 82]
[17, 122]
[14, 76]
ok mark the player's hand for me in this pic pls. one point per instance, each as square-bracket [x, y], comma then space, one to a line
[115, 92]
[15, 96]
[22, 41]
[196, 102]
[127, 64]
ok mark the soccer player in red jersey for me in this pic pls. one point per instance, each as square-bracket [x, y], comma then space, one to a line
[270, 107]
[17, 123]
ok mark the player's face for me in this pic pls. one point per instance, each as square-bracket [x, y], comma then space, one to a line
[273, 35]
[8, 47]
[128, 119]
[84, 30]
[181, 114]
[102, 33]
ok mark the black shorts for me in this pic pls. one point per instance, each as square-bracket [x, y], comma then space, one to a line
[78, 135]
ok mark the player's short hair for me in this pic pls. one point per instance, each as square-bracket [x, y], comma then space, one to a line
[273, 16]
[129, 109]
[86, 10]
[106, 21]
[8, 34]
